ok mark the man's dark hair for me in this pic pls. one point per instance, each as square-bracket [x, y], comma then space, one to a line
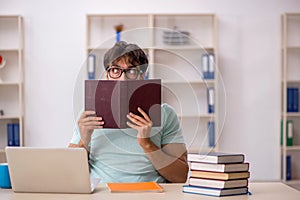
[131, 53]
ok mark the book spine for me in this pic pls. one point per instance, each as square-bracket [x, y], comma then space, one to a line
[211, 66]
[10, 134]
[289, 105]
[288, 167]
[211, 134]
[211, 100]
[295, 100]
[205, 66]
[281, 132]
[91, 63]
[289, 133]
[16, 135]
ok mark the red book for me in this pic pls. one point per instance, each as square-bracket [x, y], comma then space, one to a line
[114, 99]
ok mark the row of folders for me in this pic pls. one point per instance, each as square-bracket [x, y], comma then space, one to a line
[292, 99]
[13, 134]
[207, 66]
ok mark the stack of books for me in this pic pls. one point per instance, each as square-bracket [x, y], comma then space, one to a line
[217, 174]
[176, 37]
[13, 134]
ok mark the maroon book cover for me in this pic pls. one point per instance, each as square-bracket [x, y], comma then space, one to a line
[113, 100]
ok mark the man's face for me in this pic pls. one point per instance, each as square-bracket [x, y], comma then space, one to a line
[123, 71]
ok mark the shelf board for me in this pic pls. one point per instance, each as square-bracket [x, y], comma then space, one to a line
[292, 182]
[118, 15]
[9, 83]
[293, 47]
[292, 148]
[292, 114]
[182, 47]
[293, 81]
[197, 116]
[170, 47]
[9, 117]
[91, 48]
[9, 49]
[212, 81]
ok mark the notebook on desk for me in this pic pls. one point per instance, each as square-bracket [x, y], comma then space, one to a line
[49, 170]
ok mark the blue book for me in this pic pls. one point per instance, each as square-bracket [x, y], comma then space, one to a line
[91, 63]
[211, 134]
[16, 136]
[211, 66]
[288, 167]
[289, 101]
[211, 100]
[205, 65]
[10, 135]
[214, 191]
[296, 100]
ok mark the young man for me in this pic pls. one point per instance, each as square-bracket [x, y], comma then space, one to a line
[141, 152]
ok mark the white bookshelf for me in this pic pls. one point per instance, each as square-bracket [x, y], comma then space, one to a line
[290, 71]
[179, 66]
[11, 77]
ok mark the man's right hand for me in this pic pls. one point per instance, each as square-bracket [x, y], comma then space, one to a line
[87, 123]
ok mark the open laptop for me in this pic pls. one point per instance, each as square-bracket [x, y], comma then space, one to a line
[49, 170]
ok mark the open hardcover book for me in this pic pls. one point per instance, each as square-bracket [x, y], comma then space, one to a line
[114, 99]
[135, 187]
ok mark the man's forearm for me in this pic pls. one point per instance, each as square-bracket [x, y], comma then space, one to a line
[173, 167]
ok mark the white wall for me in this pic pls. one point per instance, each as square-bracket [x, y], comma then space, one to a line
[249, 54]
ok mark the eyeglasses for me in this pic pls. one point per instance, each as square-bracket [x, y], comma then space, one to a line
[130, 73]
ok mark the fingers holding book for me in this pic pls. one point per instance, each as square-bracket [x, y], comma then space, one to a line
[87, 122]
[90, 121]
[142, 124]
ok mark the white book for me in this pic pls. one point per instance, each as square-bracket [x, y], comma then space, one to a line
[235, 167]
[211, 63]
[216, 157]
[205, 63]
[218, 183]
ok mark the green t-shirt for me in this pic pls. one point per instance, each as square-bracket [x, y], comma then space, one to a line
[116, 156]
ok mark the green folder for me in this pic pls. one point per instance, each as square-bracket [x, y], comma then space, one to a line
[289, 133]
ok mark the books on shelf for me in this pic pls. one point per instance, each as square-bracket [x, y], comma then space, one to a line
[211, 133]
[216, 157]
[208, 65]
[211, 100]
[13, 134]
[292, 99]
[113, 100]
[135, 187]
[217, 174]
[288, 167]
[176, 37]
[214, 191]
[91, 66]
[289, 132]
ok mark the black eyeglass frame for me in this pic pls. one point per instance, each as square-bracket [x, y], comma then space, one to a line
[139, 71]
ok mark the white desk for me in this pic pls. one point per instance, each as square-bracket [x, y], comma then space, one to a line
[260, 191]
